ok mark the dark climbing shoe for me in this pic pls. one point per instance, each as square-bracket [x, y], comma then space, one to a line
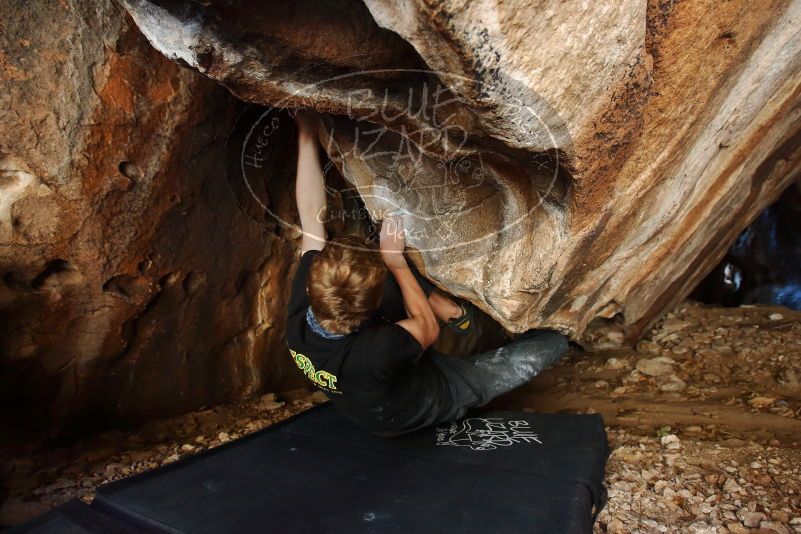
[465, 323]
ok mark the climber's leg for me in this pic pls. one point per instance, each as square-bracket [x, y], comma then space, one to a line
[512, 365]
[476, 380]
[443, 307]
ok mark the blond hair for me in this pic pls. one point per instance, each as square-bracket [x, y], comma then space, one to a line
[346, 281]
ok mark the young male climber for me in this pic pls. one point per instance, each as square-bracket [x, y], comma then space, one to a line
[361, 324]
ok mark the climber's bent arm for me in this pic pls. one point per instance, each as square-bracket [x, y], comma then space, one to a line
[422, 323]
[309, 187]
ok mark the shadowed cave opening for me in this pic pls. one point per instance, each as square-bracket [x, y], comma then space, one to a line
[763, 266]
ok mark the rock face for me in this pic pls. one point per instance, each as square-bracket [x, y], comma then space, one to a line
[558, 163]
[132, 285]
[561, 164]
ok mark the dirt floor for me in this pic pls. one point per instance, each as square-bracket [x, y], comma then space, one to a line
[704, 421]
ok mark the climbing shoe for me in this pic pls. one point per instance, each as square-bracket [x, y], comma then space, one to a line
[463, 324]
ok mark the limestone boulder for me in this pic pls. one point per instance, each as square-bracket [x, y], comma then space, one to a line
[131, 284]
[558, 163]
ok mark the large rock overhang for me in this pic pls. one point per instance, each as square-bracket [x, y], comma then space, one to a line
[558, 162]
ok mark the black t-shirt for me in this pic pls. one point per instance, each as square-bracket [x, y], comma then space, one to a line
[376, 375]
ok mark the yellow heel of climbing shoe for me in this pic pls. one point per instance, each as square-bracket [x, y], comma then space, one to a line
[462, 324]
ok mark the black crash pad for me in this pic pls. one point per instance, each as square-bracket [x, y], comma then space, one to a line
[74, 517]
[493, 471]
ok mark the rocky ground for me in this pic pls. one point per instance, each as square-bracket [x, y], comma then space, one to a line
[673, 484]
[704, 421]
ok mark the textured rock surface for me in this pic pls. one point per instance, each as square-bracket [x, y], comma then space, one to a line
[132, 285]
[567, 161]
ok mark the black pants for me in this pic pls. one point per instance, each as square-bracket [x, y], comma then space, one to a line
[476, 380]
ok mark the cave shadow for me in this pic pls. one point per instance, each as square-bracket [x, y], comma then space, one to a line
[763, 265]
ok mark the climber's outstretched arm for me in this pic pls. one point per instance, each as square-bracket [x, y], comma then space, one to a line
[309, 187]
